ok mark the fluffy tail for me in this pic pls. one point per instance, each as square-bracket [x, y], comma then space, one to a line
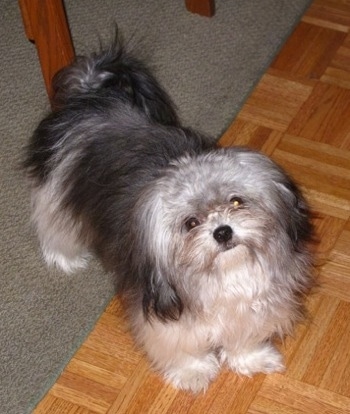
[115, 71]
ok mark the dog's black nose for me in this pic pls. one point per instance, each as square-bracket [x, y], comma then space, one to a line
[223, 234]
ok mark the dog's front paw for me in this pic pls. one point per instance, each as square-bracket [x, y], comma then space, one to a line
[265, 359]
[195, 376]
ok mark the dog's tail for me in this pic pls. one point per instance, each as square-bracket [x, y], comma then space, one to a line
[110, 72]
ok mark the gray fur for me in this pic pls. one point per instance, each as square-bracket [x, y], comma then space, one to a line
[208, 245]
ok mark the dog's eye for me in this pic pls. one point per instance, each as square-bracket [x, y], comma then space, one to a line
[236, 202]
[191, 223]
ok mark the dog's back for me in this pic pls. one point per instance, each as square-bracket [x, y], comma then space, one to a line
[110, 84]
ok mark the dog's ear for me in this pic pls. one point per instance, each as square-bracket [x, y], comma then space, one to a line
[160, 298]
[299, 225]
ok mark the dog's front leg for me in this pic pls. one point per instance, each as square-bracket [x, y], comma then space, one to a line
[182, 357]
[263, 358]
[191, 373]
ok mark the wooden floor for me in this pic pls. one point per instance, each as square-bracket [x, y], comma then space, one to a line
[299, 114]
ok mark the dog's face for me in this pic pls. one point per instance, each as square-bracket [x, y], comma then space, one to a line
[208, 214]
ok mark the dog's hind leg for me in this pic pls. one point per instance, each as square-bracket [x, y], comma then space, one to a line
[58, 233]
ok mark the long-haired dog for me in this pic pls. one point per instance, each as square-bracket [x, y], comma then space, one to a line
[208, 245]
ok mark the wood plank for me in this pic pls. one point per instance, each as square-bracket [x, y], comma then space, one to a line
[275, 102]
[302, 397]
[309, 51]
[324, 116]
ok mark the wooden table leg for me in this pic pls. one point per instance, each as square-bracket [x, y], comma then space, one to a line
[202, 7]
[46, 25]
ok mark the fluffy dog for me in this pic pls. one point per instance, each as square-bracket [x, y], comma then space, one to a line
[208, 245]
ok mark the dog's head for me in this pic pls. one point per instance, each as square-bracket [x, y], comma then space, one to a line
[209, 213]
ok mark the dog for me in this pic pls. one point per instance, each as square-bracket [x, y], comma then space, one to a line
[209, 245]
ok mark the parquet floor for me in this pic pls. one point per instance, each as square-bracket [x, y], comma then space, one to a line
[299, 114]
